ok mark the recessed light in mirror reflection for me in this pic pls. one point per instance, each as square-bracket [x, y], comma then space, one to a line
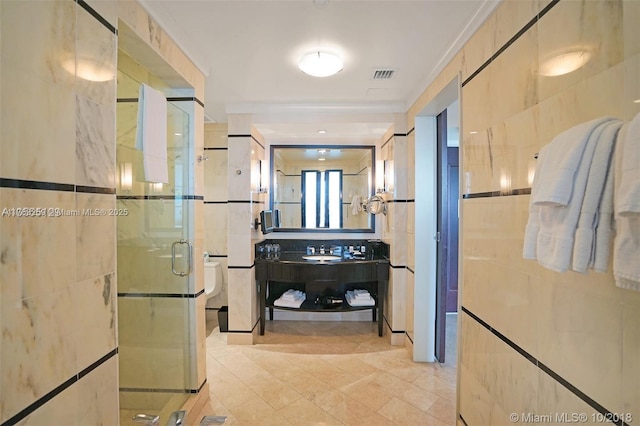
[564, 63]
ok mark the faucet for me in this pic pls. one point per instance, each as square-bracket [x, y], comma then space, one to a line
[209, 420]
[322, 249]
[146, 419]
[176, 418]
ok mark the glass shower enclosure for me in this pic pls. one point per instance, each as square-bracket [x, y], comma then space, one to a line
[155, 260]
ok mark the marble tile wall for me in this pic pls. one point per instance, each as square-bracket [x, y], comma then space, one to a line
[246, 148]
[57, 268]
[395, 157]
[570, 330]
[215, 203]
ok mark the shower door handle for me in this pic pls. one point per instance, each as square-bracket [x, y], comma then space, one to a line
[189, 254]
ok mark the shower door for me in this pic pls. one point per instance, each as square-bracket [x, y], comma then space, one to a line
[155, 260]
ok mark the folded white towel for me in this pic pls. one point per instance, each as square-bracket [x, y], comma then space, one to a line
[292, 295]
[354, 301]
[557, 223]
[151, 137]
[359, 298]
[626, 245]
[293, 299]
[360, 294]
[583, 247]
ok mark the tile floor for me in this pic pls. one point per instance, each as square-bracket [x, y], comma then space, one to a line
[326, 373]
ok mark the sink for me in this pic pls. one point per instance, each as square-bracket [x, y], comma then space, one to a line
[322, 257]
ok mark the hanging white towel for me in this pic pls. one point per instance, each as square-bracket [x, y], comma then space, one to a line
[553, 225]
[356, 205]
[604, 226]
[559, 161]
[151, 137]
[626, 245]
[583, 247]
[554, 177]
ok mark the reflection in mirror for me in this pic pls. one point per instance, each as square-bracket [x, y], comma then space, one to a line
[321, 188]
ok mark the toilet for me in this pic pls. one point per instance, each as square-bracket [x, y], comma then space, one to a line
[212, 279]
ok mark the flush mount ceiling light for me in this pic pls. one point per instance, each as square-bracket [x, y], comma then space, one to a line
[564, 63]
[320, 64]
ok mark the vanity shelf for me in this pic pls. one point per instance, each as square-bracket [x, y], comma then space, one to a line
[310, 305]
[275, 275]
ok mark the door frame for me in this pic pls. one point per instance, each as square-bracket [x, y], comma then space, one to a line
[426, 186]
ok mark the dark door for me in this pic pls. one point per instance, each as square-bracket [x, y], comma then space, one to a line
[447, 237]
[442, 226]
[452, 229]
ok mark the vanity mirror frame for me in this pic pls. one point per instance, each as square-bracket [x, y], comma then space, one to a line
[272, 202]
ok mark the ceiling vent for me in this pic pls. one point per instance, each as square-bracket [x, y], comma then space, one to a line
[383, 74]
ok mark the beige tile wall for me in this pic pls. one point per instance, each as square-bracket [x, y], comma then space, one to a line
[245, 149]
[580, 326]
[57, 273]
[58, 296]
[215, 207]
[394, 153]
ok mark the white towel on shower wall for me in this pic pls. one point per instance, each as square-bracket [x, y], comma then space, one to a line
[557, 223]
[555, 177]
[604, 226]
[626, 245]
[583, 247]
[558, 163]
[627, 198]
[151, 137]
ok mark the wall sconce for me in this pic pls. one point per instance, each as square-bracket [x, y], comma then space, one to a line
[505, 182]
[264, 177]
[467, 183]
[156, 187]
[379, 183]
[531, 172]
[257, 180]
[388, 176]
[126, 176]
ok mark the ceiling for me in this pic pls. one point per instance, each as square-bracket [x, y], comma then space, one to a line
[249, 52]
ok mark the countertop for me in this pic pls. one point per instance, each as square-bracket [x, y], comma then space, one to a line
[296, 257]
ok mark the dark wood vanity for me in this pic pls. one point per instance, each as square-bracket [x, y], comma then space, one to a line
[277, 273]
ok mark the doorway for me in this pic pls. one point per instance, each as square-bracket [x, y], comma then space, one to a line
[447, 135]
[430, 340]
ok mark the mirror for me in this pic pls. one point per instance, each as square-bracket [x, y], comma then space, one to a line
[320, 188]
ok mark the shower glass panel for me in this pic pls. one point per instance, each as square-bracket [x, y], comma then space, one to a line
[154, 263]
